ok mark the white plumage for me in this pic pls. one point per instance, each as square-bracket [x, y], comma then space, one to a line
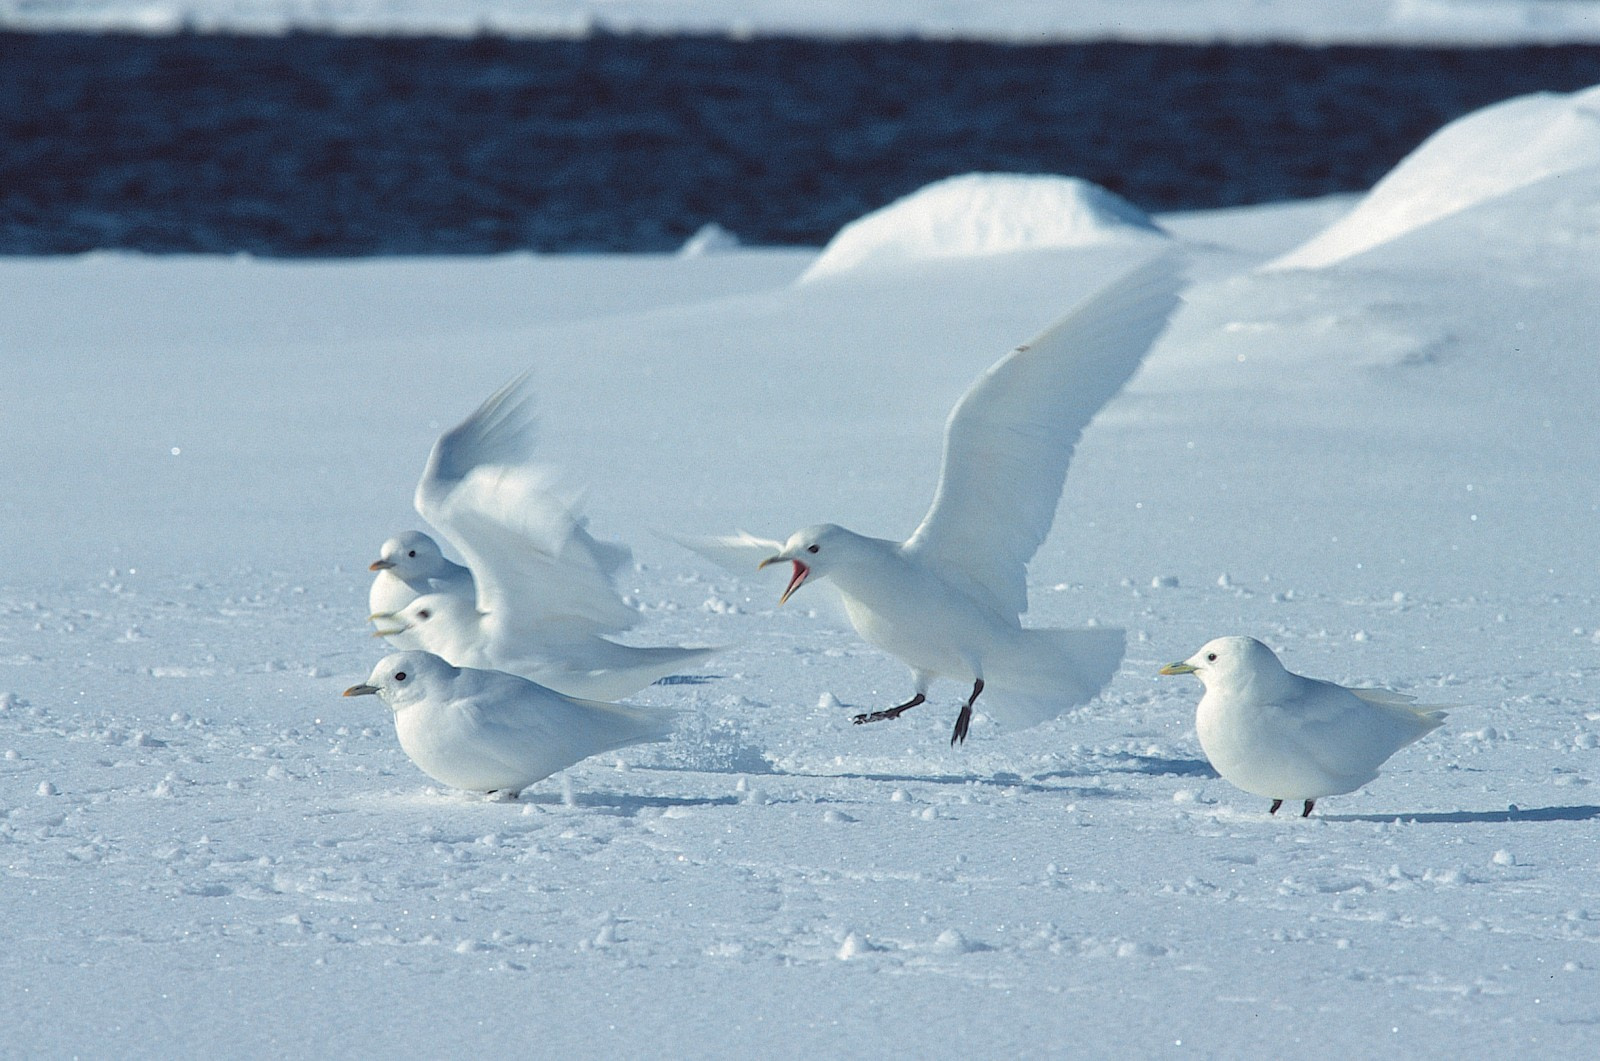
[1277, 734]
[487, 731]
[546, 603]
[948, 600]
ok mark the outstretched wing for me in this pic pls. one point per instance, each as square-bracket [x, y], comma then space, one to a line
[1010, 438]
[534, 562]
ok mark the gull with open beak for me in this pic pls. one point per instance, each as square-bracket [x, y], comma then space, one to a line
[948, 600]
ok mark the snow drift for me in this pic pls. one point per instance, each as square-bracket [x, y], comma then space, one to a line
[980, 214]
[1476, 158]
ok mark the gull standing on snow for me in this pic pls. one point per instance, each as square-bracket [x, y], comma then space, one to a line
[1283, 736]
[409, 566]
[487, 731]
[545, 600]
[948, 600]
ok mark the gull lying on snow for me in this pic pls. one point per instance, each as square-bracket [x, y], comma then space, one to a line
[488, 731]
[1280, 735]
[409, 566]
[545, 600]
[948, 600]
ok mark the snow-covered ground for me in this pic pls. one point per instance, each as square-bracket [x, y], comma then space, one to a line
[1309, 21]
[1386, 466]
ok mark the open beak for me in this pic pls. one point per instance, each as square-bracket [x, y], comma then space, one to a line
[362, 690]
[1177, 668]
[795, 580]
[380, 565]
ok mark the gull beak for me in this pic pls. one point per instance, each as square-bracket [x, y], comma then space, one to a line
[361, 690]
[380, 631]
[1177, 668]
[380, 565]
[795, 580]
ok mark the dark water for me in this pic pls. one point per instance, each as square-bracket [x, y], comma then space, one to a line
[315, 145]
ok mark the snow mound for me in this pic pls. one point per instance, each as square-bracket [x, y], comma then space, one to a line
[980, 214]
[1484, 155]
[711, 238]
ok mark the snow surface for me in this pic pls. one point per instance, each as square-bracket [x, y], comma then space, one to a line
[1387, 468]
[1308, 21]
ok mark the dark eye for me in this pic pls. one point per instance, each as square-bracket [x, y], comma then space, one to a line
[426, 614]
[400, 676]
[1211, 657]
[412, 554]
[813, 548]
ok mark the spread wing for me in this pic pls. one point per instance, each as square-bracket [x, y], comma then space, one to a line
[534, 562]
[1010, 438]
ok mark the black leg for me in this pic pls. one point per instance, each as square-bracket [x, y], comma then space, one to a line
[1307, 812]
[1275, 805]
[964, 719]
[893, 712]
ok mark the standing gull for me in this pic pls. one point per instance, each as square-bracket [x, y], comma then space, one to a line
[546, 604]
[487, 731]
[948, 600]
[1277, 734]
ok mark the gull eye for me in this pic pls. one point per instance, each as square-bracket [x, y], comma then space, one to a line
[1211, 657]
[399, 675]
[813, 548]
[426, 614]
[412, 554]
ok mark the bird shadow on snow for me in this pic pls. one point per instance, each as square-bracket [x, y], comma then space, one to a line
[1149, 765]
[1464, 817]
[622, 803]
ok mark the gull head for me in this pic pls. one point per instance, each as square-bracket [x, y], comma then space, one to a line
[431, 611]
[814, 552]
[1231, 663]
[403, 678]
[410, 556]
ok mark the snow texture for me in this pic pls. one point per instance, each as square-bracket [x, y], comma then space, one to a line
[1386, 469]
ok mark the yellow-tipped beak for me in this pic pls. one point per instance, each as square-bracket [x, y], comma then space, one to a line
[361, 690]
[380, 565]
[1177, 668]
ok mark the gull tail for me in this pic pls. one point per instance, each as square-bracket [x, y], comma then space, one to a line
[1048, 671]
[609, 671]
[606, 727]
[1413, 721]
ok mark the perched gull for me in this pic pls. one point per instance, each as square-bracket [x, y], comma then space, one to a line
[546, 604]
[487, 731]
[948, 600]
[1277, 734]
[409, 566]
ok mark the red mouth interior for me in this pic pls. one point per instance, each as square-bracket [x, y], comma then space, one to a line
[799, 576]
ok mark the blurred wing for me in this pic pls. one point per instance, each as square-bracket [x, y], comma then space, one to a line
[534, 562]
[740, 553]
[1010, 438]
